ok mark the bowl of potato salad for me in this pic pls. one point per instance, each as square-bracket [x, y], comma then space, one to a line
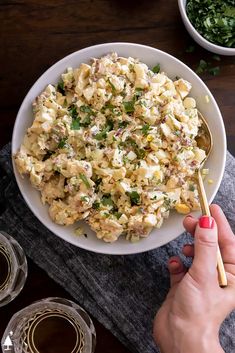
[104, 147]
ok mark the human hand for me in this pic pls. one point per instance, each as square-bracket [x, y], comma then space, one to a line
[190, 317]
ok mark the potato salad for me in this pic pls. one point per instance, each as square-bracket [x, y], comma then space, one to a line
[113, 143]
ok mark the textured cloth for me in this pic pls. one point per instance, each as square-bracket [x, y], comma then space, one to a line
[122, 292]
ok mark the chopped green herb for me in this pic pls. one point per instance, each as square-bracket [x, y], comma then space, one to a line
[73, 111]
[107, 200]
[214, 20]
[145, 129]
[134, 197]
[86, 109]
[109, 125]
[138, 92]
[118, 214]
[62, 142]
[129, 106]
[191, 187]
[202, 67]
[156, 69]
[85, 198]
[214, 70]
[86, 121]
[142, 103]
[123, 124]
[96, 205]
[101, 135]
[60, 87]
[75, 125]
[84, 180]
[141, 153]
[112, 86]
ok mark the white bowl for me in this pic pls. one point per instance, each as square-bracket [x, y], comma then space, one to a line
[172, 227]
[218, 49]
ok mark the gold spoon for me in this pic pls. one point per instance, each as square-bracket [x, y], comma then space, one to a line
[205, 142]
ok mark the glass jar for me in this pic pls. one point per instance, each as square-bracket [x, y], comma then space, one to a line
[13, 268]
[50, 325]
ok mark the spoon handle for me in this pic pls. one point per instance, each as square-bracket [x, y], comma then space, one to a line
[206, 211]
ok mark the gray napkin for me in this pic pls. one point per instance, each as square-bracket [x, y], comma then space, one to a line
[122, 292]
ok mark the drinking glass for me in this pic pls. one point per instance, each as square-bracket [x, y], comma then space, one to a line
[50, 325]
[13, 268]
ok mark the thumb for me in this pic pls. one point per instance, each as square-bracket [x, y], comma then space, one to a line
[205, 250]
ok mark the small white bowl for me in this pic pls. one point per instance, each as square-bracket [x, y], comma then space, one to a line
[173, 226]
[198, 38]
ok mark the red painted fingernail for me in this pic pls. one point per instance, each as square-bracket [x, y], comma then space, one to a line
[206, 222]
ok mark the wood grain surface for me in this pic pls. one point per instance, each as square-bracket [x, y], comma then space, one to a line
[34, 34]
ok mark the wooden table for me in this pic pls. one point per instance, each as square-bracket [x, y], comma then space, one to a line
[35, 34]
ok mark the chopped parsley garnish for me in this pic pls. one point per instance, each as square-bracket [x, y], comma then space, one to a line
[85, 198]
[73, 111]
[107, 106]
[112, 86]
[214, 20]
[62, 142]
[86, 121]
[109, 125]
[118, 214]
[156, 69]
[214, 71]
[84, 180]
[123, 124]
[141, 153]
[75, 124]
[107, 200]
[103, 134]
[134, 197]
[60, 87]
[86, 109]
[138, 92]
[96, 205]
[145, 129]
[191, 187]
[129, 106]
[202, 67]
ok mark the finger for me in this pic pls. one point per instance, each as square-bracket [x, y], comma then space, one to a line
[226, 237]
[177, 270]
[205, 250]
[188, 250]
[190, 224]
